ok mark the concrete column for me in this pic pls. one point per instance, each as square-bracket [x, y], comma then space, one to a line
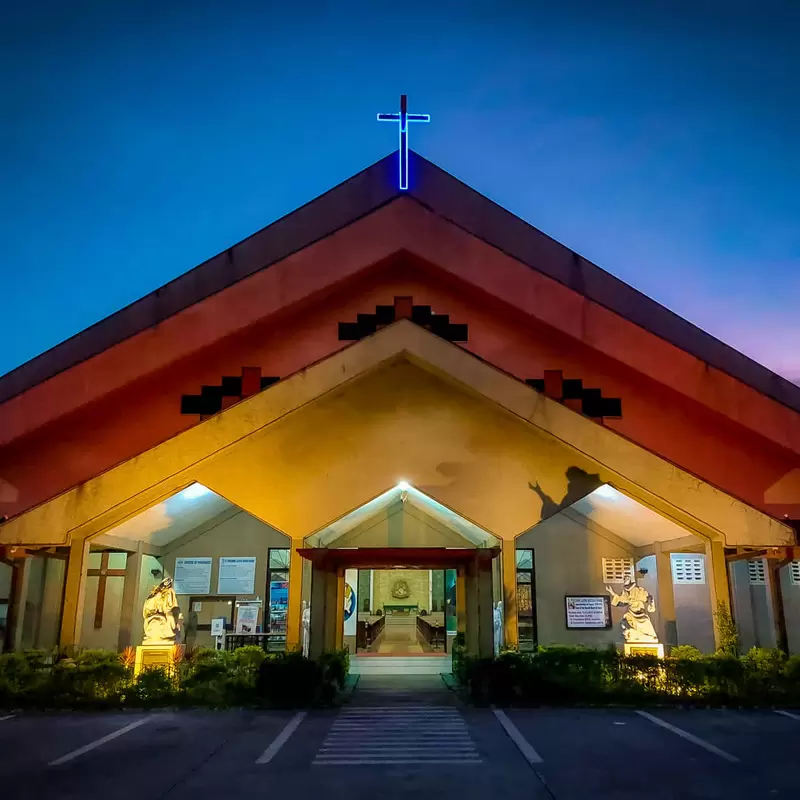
[667, 618]
[19, 601]
[74, 593]
[777, 612]
[319, 586]
[294, 613]
[461, 600]
[472, 609]
[719, 587]
[485, 609]
[339, 629]
[131, 598]
[509, 571]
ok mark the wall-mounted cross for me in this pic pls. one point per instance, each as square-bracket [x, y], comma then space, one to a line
[402, 119]
[102, 576]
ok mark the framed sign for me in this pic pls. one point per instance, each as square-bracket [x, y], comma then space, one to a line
[192, 576]
[588, 612]
[247, 617]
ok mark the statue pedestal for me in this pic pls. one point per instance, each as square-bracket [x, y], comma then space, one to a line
[153, 655]
[644, 649]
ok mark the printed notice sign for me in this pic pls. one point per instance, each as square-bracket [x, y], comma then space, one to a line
[588, 611]
[237, 576]
[192, 576]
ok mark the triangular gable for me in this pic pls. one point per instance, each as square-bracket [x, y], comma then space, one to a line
[361, 195]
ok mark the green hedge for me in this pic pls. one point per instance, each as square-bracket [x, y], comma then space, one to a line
[567, 675]
[102, 679]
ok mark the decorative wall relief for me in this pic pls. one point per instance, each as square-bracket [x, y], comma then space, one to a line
[400, 590]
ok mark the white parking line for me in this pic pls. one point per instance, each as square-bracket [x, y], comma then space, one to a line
[7, 716]
[788, 714]
[529, 754]
[282, 738]
[690, 737]
[98, 742]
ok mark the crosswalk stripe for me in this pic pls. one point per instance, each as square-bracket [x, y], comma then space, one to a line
[363, 762]
[419, 735]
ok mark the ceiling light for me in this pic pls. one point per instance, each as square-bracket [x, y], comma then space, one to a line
[195, 490]
[403, 486]
[606, 491]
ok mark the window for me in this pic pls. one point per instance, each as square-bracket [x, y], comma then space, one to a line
[794, 572]
[757, 572]
[277, 591]
[688, 569]
[615, 570]
[526, 600]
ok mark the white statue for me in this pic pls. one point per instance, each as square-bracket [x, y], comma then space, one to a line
[636, 624]
[306, 624]
[497, 619]
[162, 615]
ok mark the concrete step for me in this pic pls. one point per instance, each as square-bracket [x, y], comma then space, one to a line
[400, 665]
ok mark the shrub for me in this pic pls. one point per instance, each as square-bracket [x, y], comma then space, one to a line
[288, 681]
[727, 630]
[98, 678]
[93, 677]
[687, 652]
[22, 676]
[566, 675]
[153, 687]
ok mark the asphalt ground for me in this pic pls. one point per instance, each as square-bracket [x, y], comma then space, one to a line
[400, 737]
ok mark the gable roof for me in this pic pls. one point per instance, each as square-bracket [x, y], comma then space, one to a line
[359, 196]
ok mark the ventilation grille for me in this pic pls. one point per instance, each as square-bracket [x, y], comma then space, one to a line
[757, 572]
[615, 570]
[794, 572]
[688, 569]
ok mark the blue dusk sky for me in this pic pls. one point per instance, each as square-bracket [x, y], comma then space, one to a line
[660, 140]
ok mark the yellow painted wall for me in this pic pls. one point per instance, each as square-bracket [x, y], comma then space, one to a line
[239, 536]
[400, 525]
[300, 466]
[569, 561]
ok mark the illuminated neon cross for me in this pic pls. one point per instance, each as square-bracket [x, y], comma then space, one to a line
[403, 118]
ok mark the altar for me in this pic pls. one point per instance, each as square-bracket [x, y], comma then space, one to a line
[400, 608]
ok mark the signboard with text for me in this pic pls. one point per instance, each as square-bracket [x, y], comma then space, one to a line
[236, 576]
[192, 576]
[588, 612]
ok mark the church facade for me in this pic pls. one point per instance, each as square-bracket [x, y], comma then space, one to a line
[388, 418]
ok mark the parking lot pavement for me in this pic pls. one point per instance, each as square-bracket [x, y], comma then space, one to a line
[579, 753]
[147, 761]
[608, 753]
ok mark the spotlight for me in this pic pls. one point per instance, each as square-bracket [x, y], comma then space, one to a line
[195, 490]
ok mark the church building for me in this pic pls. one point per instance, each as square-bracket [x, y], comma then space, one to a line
[393, 418]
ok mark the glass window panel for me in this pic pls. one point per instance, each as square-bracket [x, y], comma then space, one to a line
[523, 577]
[279, 559]
[524, 600]
[524, 559]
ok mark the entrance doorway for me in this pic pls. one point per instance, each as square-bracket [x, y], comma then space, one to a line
[400, 612]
